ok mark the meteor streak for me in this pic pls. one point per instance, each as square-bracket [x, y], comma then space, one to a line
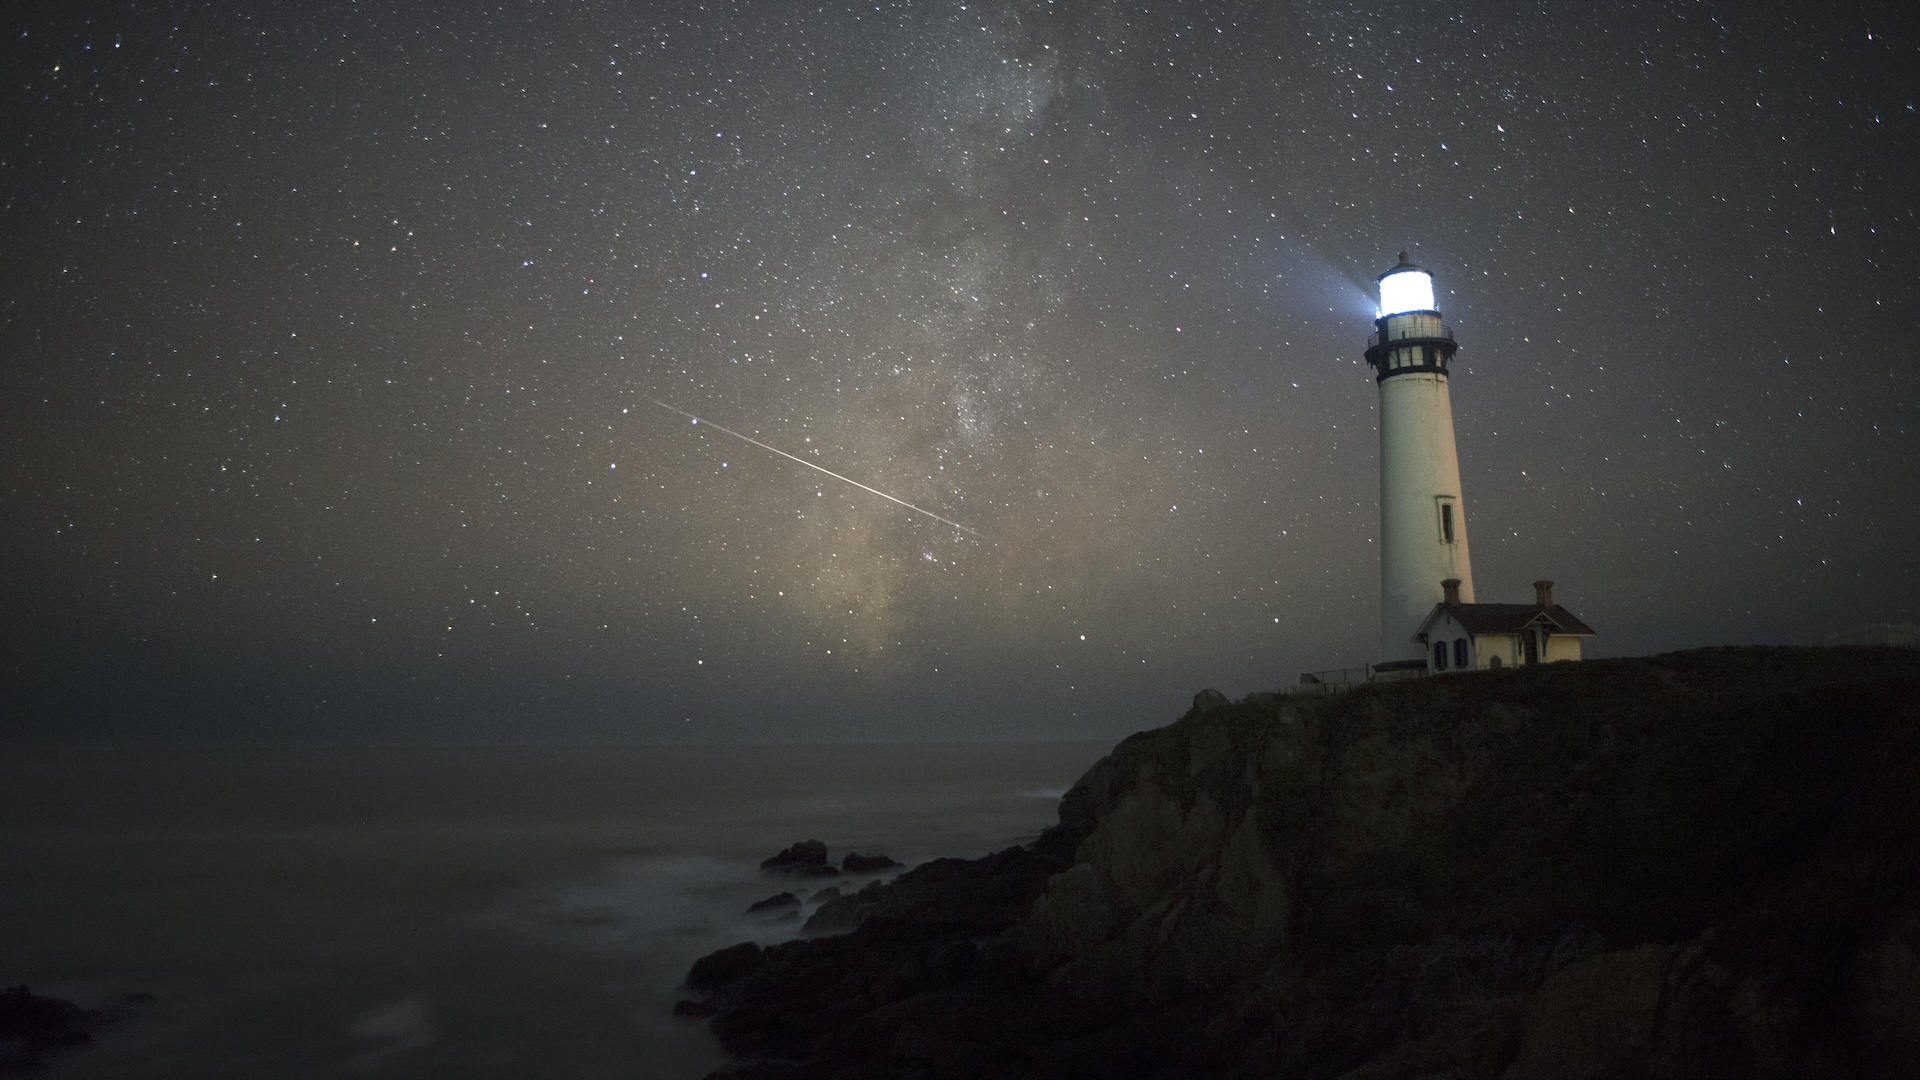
[817, 468]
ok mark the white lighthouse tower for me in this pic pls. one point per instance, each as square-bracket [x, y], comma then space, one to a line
[1423, 522]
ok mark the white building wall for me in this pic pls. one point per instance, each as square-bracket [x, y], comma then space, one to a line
[1419, 474]
[1445, 629]
[1561, 647]
[1488, 646]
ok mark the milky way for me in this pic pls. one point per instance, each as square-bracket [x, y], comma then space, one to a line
[332, 333]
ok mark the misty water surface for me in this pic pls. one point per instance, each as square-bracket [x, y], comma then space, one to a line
[415, 912]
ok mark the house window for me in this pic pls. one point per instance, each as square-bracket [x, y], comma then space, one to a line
[1460, 652]
[1439, 656]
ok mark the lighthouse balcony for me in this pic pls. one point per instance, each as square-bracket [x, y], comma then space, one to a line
[1423, 330]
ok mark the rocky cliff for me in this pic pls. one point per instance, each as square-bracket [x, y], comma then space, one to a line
[1693, 865]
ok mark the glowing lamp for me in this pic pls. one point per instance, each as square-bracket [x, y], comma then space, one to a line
[1405, 288]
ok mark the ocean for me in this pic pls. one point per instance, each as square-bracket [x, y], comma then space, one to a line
[496, 912]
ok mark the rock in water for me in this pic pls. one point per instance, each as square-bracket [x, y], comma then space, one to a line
[32, 1026]
[729, 965]
[1699, 865]
[774, 903]
[838, 914]
[808, 858]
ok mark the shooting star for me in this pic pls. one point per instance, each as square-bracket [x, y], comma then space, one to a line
[816, 468]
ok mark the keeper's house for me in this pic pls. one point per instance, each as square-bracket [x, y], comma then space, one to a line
[1467, 637]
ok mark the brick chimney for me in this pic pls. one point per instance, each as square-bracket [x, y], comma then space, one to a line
[1450, 589]
[1543, 593]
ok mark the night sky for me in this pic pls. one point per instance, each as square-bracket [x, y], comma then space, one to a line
[333, 335]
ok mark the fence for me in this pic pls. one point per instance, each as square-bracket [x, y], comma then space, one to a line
[1340, 680]
[1906, 634]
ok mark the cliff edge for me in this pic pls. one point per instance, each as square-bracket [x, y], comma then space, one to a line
[1694, 865]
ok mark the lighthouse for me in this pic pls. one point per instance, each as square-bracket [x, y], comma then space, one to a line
[1423, 521]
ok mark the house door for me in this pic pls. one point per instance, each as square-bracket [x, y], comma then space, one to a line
[1533, 647]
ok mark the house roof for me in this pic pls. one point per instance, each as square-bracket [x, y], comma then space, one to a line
[1509, 619]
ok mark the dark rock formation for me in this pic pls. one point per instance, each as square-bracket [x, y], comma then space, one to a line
[1207, 701]
[842, 913]
[854, 863]
[808, 858]
[729, 965]
[831, 892]
[1705, 864]
[774, 903]
[33, 1026]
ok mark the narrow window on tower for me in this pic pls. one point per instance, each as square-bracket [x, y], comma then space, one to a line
[1446, 521]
